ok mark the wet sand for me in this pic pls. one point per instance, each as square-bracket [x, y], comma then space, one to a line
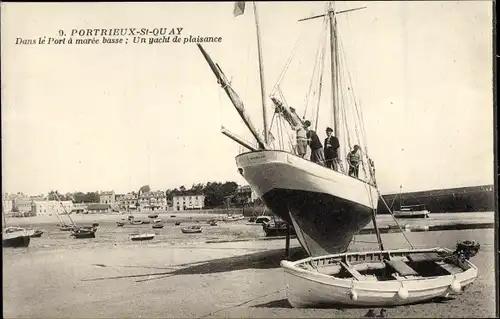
[180, 275]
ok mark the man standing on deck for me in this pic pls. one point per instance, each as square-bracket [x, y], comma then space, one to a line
[317, 155]
[353, 159]
[331, 149]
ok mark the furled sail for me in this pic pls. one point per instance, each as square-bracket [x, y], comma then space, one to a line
[288, 113]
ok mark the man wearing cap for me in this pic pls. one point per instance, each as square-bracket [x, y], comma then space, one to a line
[317, 155]
[331, 146]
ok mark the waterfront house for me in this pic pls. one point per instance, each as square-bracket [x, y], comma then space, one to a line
[98, 208]
[51, 207]
[188, 200]
[155, 200]
[107, 197]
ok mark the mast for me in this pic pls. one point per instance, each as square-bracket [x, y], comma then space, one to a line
[334, 68]
[4, 225]
[64, 208]
[400, 196]
[261, 72]
[334, 61]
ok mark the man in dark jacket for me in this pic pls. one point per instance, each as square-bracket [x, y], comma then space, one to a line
[331, 149]
[317, 155]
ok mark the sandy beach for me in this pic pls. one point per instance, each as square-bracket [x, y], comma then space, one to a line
[181, 275]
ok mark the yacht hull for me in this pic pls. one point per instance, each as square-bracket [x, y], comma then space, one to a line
[325, 207]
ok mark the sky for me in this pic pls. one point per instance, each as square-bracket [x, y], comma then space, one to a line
[81, 117]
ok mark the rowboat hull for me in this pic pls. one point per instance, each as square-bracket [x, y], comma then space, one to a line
[142, 237]
[328, 207]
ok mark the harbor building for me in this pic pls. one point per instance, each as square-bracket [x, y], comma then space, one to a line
[50, 207]
[188, 200]
[107, 197]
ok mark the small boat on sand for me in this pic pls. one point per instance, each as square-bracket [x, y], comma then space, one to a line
[158, 223]
[177, 223]
[153, 215]
[192, 229]
[136, 222]
[37, 233]
[120, 224]
[213, 223]
[276, 228]
[412, 211]
[138, 237]
[380, 278]
[258, 221]
[233, 218]
[84, 232]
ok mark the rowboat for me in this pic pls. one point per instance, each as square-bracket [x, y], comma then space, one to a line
[158, 223]
[192, 229]
[380, 278]
[259, 220]
[137, 237]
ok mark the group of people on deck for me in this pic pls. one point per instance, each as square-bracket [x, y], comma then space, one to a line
[326, 155]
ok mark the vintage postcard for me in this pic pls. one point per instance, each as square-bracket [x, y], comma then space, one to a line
[248, 159]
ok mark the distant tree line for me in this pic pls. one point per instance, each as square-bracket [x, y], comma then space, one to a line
[466, 199]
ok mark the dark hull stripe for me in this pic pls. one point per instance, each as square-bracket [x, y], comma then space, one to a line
[21, 241]
[327, 223]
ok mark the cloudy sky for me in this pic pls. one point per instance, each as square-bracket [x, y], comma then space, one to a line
[118, 116]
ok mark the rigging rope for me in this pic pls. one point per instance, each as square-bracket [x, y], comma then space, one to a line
[317, 59]
[322, 67]
[287, 65]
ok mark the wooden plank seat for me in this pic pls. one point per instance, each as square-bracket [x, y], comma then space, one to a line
[401, 267]
[352, 271]
[432, 256]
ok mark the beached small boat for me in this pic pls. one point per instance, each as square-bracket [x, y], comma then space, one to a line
[66, 228]
[412, 211]
[177, 223]
[259, 220]
[276, 228]
[146, 221]
[137, 237]
[136, 222]
[213, 223]
[83, 232]
[37, 233]
[120, 224]
[192, 229]
[16, 237]
[233, 218]
[158, 224]
[153, 215]
[380, 278]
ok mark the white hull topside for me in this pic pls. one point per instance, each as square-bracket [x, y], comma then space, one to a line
[273, 169]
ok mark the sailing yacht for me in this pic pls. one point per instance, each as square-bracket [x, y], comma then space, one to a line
[326, 207]
[15, 236]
